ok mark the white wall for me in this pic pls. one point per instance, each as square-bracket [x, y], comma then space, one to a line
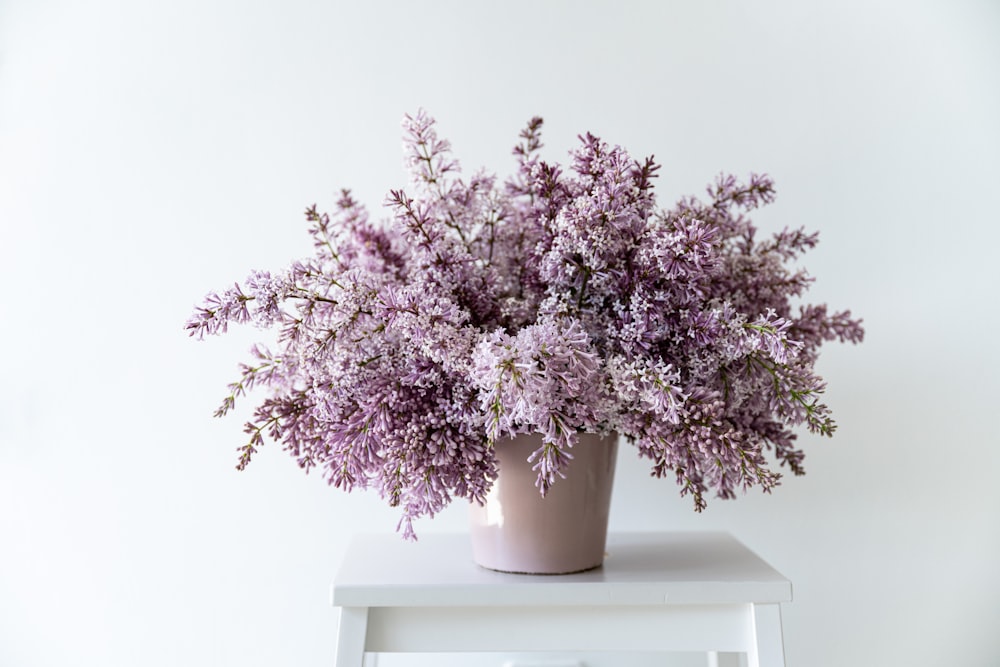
[152, 151]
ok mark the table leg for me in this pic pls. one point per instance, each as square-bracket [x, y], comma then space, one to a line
[351, 634]
[767, 649]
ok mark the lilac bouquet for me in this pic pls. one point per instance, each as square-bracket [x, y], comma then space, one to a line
[556, 302]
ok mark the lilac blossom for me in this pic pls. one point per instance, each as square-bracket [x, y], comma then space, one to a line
[547, 379]
[560, 301]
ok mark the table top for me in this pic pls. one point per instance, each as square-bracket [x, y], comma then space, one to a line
[639, 569]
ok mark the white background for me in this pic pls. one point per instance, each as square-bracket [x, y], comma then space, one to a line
[150, 152]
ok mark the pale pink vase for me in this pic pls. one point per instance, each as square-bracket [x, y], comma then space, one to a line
[518, 530]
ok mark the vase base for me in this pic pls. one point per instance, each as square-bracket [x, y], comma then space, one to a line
[541, 574]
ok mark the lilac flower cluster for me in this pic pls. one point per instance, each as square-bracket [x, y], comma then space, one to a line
[557, 302]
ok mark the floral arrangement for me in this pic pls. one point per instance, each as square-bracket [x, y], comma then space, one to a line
[556, 302]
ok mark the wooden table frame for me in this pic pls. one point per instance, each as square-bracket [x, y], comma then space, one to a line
[684, 591]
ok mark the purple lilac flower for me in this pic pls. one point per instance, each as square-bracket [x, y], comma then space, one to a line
[557, 302]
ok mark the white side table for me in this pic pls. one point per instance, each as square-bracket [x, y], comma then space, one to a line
[684, 591]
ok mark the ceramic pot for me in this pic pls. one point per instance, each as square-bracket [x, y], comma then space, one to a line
[517, 530]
